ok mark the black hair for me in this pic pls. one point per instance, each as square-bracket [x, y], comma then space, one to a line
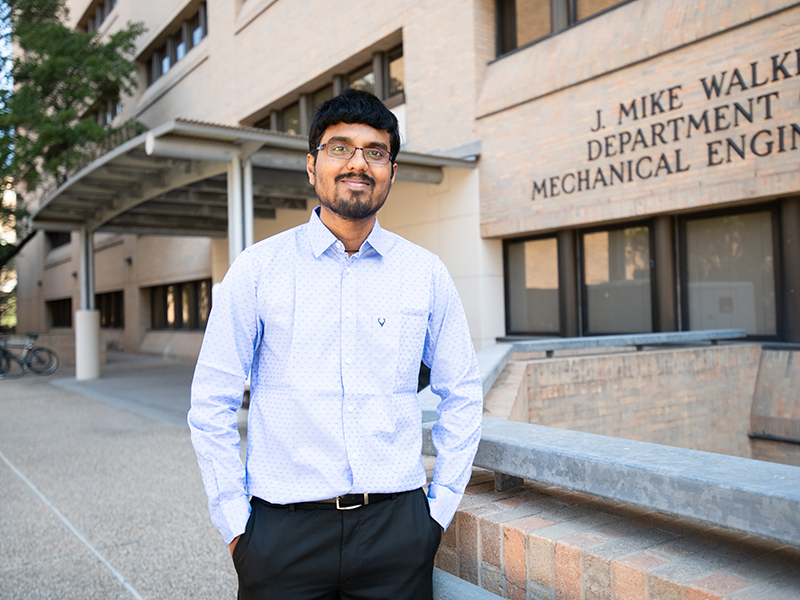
[354, 106]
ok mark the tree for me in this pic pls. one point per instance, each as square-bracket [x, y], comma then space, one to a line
[63, 80]
[56, 85]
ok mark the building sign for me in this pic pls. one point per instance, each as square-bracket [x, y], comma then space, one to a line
[744, 111]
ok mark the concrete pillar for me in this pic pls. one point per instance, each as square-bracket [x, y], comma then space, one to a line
[568, 284]
[306, 104]
[790, 272]
[235, 209]
[87, 344]
[247, 202]
[87, 319]
[666, 308]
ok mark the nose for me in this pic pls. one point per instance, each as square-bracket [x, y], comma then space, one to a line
[357, 161]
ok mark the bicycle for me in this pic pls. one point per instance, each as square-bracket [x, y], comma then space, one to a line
[38, 359]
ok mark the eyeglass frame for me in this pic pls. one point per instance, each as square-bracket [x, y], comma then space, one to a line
[364, 154]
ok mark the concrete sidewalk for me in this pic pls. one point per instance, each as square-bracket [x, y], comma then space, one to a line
[100, 494]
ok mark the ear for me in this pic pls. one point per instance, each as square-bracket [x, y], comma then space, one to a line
[310, 163]
[394, 171]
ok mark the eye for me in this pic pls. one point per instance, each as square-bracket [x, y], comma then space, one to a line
[375, 154]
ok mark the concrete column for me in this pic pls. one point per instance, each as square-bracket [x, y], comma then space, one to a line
[87, 319]
[666, 311]
[567, 284]
[306, 105]
[235, 209]
[339, 84]
[247, 202]
[86, 269]
[87, 344]
[380, 64]
[790, 275]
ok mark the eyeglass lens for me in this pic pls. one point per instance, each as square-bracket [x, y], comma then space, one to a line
[371, 155]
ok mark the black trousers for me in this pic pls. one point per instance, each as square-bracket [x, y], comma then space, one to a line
[379, 551]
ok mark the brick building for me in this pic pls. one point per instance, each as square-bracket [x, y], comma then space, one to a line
[582, 167]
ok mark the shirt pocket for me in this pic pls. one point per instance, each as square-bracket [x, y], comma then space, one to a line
[396, 349]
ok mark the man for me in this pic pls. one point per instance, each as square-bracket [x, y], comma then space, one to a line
[331, 320]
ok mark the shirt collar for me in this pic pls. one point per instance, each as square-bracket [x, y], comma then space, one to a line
[321, 237]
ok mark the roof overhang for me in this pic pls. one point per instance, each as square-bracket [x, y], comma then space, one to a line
[173, 180]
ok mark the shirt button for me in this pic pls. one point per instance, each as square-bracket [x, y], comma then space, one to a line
[348, 314]
[350, 408]
[349, 361]
[348, 270]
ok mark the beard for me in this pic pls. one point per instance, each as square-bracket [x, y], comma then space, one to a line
[356, 205]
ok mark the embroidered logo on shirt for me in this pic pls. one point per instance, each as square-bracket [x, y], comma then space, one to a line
[381, 321]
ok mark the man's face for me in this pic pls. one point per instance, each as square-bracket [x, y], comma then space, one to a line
[352, 188]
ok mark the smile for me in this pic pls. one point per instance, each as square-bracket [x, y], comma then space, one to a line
[356, 182]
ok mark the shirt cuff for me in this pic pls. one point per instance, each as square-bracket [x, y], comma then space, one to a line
[443, 503]
[233, 517]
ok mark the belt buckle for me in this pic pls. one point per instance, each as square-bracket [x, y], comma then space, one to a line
[339, 507]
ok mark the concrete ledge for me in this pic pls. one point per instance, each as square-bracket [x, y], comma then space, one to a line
[450, 587]
[491, 362]
[751, 496]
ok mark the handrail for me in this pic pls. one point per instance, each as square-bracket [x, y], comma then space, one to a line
[751, 496]
[634, 339]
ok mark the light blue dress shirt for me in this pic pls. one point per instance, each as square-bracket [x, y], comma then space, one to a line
[333, 345]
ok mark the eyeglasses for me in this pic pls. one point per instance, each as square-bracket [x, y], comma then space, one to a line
[346, 152]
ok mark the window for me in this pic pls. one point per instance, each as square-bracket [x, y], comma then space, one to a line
[97, 13]
[362, 79]
[520, 22]
[616, 279]
[112, 310]
[321, 96]
[181, 305]
[290, 119]
[59, 312]
[186, 35]
[396, 72]
[730, 273]
[56, 239]
[383, 76]
[532, 287]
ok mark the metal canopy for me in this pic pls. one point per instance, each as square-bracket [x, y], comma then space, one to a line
[173, 180]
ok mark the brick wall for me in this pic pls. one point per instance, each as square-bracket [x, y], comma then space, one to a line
[776, 408]
[705, 398]
[697, 398]
[537, 542]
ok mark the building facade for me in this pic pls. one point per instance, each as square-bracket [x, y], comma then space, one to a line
[582, 167]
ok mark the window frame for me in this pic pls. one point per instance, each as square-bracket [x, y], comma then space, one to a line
[507, 282]
[158, 293]
[59, 307]
[585, 329]
[502, 21]
[777, 265]
[180, 32]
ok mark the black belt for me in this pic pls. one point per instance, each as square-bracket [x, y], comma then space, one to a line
[345, 502]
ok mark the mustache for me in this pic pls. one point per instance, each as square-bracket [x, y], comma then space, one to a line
[355, 176]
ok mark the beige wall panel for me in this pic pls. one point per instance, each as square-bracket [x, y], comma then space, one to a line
[111, 270]
[553, 140]
[30, 305]
[166, 259]
[444, 219]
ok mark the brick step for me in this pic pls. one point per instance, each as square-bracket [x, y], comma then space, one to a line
[540, 541]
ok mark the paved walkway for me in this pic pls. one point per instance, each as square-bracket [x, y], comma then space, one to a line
[100, 494]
